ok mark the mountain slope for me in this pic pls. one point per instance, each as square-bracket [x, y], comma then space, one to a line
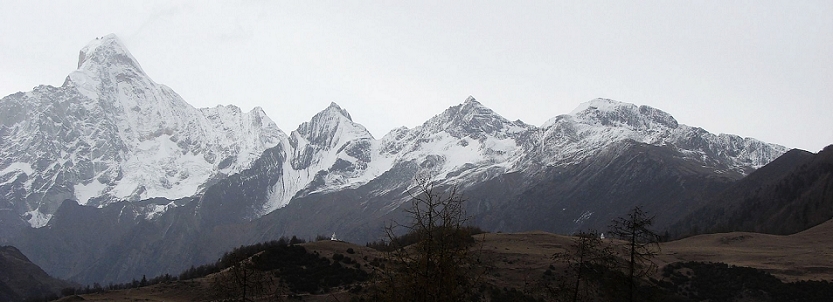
[110, 133]
[791, 194]
[21, 279]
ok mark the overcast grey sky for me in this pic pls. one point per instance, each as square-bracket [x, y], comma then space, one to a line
[761, 69]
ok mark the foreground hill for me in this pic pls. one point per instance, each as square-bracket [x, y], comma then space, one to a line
[801, 256]
[521, 260]
[21, 279]
[791, 194]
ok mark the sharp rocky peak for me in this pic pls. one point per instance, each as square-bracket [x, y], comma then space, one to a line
[471, 104]
[258, 111]
[336, 109]
[471, 118]
[102, 65]
[330, 127]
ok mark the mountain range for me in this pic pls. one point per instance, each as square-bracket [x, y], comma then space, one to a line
[112, 176]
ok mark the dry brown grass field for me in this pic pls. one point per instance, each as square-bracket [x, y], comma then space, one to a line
[191, 290]
[807, 255]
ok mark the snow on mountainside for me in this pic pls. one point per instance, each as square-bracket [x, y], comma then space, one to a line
[600, 122]
[327, 151]
[331, 152]
[470, 143]
[110, 133]
[463, 139]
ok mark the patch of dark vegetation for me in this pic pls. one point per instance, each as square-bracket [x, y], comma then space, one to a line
[600, 283]
[98, 288]
[734, 239]
[304, 272]
[463, 235]
[504, 294]
[244, 252]
[295, 268]
[700, 281]
[43, 298]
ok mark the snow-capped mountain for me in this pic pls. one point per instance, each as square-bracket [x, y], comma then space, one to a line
[577, 170]
[469, 143]
[111, 133]
[325, 152]
[600, 122]
[469, 139]
[465, 135]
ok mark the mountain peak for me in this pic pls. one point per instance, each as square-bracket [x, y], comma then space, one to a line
[472, 106]
[471, 118]
[108, 50]
[471, 99]
[326, 126]
[599, 104]
[335, 108]
[610, 112]
[104, 61]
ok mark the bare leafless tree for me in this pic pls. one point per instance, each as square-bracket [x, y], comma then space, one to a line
[433, 261]
[587, 258]
[243, 282]
[641, 245]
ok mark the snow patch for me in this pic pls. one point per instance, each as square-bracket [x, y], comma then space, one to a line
[600, 104]
[83, 192]
[18, 167]
[155, 210]
[37, 219]
[584, 216]
[85, 84]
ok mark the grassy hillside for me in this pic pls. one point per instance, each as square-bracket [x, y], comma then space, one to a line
[516, 266]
